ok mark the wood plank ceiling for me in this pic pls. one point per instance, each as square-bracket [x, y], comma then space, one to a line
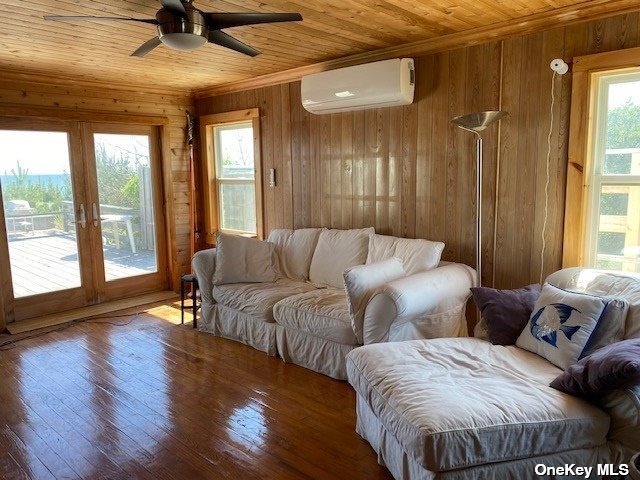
[99, 50]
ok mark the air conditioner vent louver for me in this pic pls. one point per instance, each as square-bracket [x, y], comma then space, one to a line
[379, 84]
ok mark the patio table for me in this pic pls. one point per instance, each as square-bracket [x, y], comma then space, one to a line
[114, 219]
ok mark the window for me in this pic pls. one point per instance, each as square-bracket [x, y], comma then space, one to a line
[617, 164]
[602, 207]
[235, 177]
[613, 203]
[233, 193]
[610, 243]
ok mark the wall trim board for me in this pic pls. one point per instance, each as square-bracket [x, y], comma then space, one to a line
[58, 113]
[627, 58]
[587, 11]
[69, 80]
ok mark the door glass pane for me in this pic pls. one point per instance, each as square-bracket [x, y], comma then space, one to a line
[39, 211]
[235, 174]
[125, 192]
[619, 228]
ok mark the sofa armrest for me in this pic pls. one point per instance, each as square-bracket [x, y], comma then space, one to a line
[425, 305]
[623, 408]
[204, 265]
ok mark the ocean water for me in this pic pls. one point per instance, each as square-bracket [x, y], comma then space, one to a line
[57, 180]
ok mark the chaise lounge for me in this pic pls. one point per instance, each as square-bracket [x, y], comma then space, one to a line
[465, 408]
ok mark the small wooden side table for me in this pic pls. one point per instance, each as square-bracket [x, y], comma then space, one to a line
[193, 281]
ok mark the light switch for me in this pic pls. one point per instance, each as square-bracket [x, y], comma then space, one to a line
[272, 177]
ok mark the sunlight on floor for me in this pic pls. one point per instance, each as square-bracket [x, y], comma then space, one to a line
[170, 313]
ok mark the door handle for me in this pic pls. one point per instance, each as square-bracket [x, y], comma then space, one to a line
[83, 217]
[94, 207]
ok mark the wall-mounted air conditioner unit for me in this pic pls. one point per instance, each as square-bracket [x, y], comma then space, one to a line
[380, 84]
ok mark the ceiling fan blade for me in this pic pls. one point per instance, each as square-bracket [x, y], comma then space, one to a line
[146, 47]
[174, 5]
[71, 18]
[225, 20]
[224, 40]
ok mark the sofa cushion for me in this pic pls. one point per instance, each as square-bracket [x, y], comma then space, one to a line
[258, 299]
[454, 403]
[240, 259]
[417, 254]
[505, 312]
[612, 367]
[322, 313]
[336, 251]
[294, 249]
[623, 407]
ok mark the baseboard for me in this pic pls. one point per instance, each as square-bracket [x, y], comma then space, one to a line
[85, 312]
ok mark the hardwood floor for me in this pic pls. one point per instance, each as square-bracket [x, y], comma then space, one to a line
[152, 399]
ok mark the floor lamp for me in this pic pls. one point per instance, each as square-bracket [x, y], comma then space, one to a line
[476, 123]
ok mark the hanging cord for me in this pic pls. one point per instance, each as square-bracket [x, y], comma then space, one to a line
[548, 178]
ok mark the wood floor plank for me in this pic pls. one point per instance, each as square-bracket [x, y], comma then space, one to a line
[153, 399]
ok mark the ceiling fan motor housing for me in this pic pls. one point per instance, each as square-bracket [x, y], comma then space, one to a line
[182, 32]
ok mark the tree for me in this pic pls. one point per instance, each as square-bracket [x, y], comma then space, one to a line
[116, 178]
[623, 126]
[19, 173]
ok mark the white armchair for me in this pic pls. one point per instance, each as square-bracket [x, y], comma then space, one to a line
[429, 304]
[204, 265]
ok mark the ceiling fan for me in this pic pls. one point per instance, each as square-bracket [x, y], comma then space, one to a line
[182, 26]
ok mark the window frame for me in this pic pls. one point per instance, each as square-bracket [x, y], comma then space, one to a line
[598, 180]
[210, 180]
[581, 206]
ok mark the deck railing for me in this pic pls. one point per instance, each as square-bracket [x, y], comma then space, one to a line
[65, 220]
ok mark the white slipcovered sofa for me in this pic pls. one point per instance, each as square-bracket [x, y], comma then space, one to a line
[466, 409]
[304, 316]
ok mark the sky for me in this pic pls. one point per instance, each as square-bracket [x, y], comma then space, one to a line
[43, 153]
[619, 93]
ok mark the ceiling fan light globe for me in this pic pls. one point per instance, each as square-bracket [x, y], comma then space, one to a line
[183, 41]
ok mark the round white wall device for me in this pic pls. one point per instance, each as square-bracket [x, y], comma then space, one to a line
[559, 66]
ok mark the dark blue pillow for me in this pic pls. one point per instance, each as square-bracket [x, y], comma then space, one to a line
[506, 312]
[609, 368]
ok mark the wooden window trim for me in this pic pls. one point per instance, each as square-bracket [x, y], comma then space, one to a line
[208, 167]
[55, 113]
[579, 167]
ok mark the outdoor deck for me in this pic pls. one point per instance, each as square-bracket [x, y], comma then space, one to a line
[48, 263]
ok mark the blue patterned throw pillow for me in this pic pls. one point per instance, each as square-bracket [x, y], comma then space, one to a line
[564, 325]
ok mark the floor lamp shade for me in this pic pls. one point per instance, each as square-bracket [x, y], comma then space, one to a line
[476, 123]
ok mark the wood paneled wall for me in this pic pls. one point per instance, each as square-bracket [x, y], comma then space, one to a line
[68, 97]
[409, 172]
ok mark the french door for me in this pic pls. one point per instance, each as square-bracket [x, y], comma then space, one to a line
[81, 214]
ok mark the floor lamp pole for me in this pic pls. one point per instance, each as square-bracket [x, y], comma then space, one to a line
[476, 123]
[478, 208]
